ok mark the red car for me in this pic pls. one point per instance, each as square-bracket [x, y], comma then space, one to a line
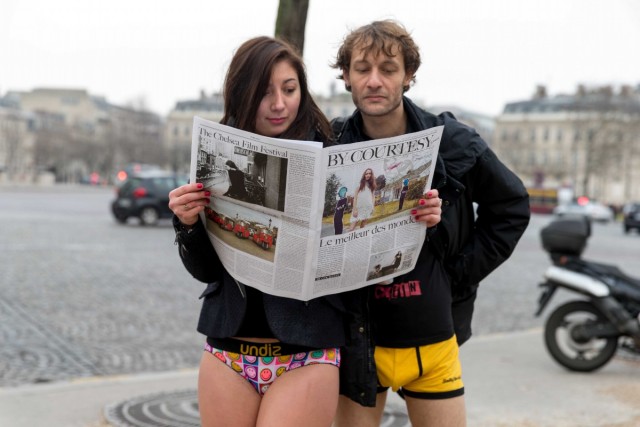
[211, 214]
[226, 223]
[263, 237]
[241, 229]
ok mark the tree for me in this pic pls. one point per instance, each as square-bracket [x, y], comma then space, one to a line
[14, 134]
[416, 188]
[292, 21]
[330, 192]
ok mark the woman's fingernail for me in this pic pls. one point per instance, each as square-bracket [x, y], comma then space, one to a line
[200, 185]
[207, 193]
[429, 194]
[422, 201]
[413, 211]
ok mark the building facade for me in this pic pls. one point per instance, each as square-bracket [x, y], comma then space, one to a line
[179, 126]
[588, 142]
[71, 134]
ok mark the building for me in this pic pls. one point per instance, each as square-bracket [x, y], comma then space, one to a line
[179, 126]
[73, 134]
[588, 141]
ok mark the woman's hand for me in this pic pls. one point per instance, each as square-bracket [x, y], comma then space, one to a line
[188, 201]
[429, 209]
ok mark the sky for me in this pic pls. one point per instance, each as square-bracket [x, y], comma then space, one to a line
[476, 54]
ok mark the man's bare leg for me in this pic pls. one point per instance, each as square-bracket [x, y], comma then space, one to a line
[352, 414]
[437, 412]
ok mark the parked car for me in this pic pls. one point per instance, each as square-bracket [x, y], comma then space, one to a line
[133, 169]
[145, 196]
[241, 229]
[263, 237]
[592, 210]
[631, 216]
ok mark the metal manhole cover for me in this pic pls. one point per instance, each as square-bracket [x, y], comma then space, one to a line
[180, 409]
[166, 409]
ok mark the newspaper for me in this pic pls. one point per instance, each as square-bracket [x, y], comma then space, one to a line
[294, 219]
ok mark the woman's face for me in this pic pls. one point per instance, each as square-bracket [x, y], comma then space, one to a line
[279, 106]
[367, 174]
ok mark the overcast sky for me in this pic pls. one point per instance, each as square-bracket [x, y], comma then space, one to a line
[476, 54]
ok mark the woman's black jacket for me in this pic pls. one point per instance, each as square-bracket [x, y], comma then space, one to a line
[317, 323]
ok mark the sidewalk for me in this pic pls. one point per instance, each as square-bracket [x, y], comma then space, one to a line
[510, 381]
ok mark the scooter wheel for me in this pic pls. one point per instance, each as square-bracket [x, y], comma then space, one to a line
[576, 354]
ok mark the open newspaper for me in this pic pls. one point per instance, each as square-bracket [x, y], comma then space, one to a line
[297, 220]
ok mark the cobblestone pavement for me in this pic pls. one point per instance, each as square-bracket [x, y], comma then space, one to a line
[81, 296]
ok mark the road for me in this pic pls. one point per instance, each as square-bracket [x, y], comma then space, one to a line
[81, 296]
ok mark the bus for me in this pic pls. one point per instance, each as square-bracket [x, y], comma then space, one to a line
[542, 200]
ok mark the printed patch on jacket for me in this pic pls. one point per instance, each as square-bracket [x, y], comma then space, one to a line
[398, 290]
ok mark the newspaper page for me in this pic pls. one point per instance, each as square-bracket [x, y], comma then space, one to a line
[294, 219]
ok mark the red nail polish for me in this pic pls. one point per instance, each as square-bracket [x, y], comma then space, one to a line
[200, 185]
[422, 201]
[429, 194]
[207, 193]
[413, 211]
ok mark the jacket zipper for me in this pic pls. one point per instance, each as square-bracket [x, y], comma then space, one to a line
[239, 288]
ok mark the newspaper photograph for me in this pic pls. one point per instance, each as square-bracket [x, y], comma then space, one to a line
[294, 219]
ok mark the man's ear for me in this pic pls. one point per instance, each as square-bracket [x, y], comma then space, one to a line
[408, 78]
[345, 77]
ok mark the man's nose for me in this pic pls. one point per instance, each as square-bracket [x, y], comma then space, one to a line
[374, 80]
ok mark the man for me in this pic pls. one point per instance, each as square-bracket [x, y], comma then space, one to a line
[416, 351]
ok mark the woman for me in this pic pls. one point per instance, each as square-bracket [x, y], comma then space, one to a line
[363, 201]
[265, 92]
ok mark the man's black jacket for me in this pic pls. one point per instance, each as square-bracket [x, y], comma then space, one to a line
[472, 242]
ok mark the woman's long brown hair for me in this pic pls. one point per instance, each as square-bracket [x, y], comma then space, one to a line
[247, 81]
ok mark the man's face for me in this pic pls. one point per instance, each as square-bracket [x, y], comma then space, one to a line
[376, 81]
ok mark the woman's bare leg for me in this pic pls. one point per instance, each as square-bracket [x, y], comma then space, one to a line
[306, 396]
[224, 397]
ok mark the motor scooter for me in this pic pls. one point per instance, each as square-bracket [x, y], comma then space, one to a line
[585, 333]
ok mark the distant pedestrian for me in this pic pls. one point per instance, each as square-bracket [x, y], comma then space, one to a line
[341, 205]
[403, 193]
